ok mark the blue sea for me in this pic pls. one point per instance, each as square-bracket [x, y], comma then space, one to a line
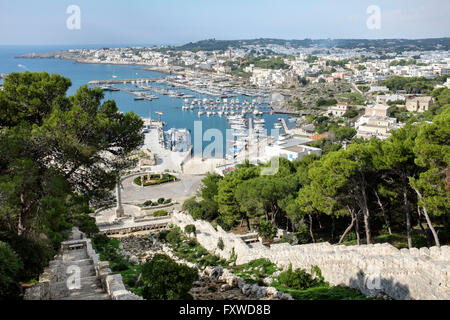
[81, 74]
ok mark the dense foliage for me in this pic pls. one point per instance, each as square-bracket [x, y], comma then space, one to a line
[164, 279]
[60, 154]
[395, 190]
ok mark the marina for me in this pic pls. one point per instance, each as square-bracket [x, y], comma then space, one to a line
[147, 92]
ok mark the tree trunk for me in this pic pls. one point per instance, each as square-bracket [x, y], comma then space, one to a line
[366, 214]
[358, 239]
[333, 228]
[407, 215]
[248, 223]
[311, 228]
[349, 228]
[427, 232]
[21, 227]
[430, 225]
[388, 224]
[318, 220]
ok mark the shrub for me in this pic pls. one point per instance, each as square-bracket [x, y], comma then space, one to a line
[233, 256]
[302, 233]
[10, 265]
[164, 279]
[160, 213]
[288, 239]
[267, 230]
[168, 201]
[100, 239]
[174, 236]
[148, 203]
[220, 244]
[162, 235]
[131, 282]
[156, 179]
[190, 204]
[298, 279]
[161, 200]
[34, 256]
[86, 224]
[190, 228]
[205, 210]
[119, 266]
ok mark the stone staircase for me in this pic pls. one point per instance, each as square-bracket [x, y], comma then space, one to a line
[90, 284]
[77, 274]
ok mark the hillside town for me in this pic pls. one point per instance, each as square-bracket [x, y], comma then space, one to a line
[350, 87]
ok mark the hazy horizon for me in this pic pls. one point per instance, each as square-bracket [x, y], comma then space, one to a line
[175, 22]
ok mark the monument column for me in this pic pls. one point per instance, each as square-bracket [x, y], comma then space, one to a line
[119, 209]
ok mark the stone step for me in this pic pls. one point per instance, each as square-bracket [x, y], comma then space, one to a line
[75, 255]
[88, 285]
[85, 270]
[81, 262]
[75, 294]
[96, 296]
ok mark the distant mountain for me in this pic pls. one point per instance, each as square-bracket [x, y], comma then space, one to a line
[376, 45]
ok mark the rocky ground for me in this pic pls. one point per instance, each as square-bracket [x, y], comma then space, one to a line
[222, 284]
[213, 283]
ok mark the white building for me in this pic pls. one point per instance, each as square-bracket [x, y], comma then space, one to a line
[292, 149]
[339, 110]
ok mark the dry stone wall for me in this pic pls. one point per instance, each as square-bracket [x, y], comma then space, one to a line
[373, 269]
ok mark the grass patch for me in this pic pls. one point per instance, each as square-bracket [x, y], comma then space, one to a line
[189, 249]
[324, 292]
[255, 271]
[308, 287]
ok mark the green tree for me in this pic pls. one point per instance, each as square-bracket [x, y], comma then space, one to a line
[432, 151]
[55, 146]
[209, 188]
[267, 230]
[190, 229]
[164, 279]
[345, 133]
[397, 160]
[229, 207]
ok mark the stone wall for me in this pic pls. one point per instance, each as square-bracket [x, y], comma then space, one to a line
[372, 269]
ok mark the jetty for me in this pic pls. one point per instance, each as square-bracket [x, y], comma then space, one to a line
[124, 81]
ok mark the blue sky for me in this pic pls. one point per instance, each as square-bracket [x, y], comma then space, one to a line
[30, 22]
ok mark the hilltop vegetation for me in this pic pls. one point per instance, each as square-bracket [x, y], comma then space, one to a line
[396, 45]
